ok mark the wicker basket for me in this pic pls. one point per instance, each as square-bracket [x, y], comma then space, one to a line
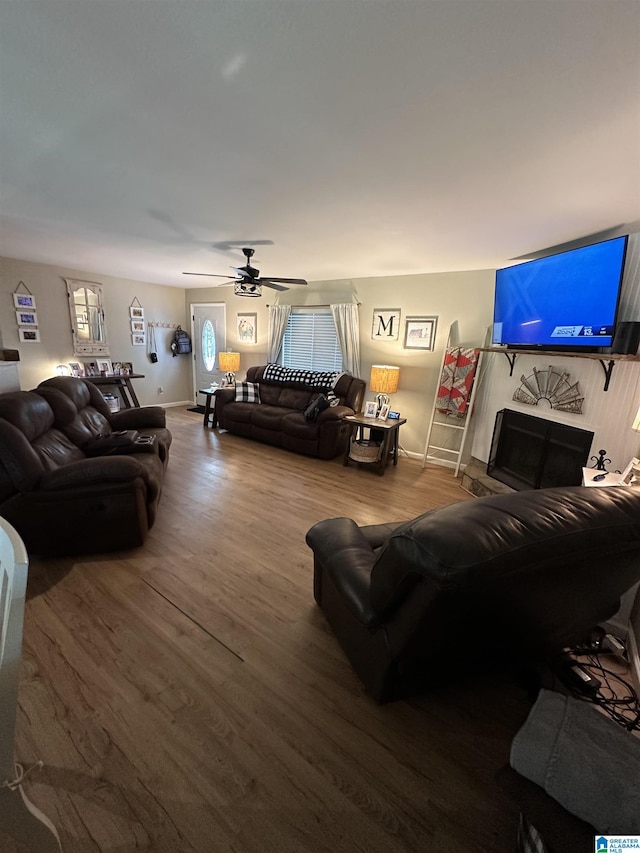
[364, 451]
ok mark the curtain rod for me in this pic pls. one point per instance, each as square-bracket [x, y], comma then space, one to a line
[326, 305]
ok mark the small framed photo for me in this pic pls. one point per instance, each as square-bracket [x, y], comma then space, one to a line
[117, 366]
[27, 318]
[136, 313]
[126, 368]
[138, 339]
[247, 328]
[24, 300]
[76, 368]
[383, 414]
[631, 474]
[29, 336]
[420, 333]
[91, 368]
[370, 409]
[105, 366]
[137, 326]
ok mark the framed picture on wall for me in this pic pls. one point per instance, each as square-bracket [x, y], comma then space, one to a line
[137, 326]
[27, 318]
[136, 313]
[29, 336]
[138, 339]
[386, 324]
[420, 333]
[24, 300]
[247, 328]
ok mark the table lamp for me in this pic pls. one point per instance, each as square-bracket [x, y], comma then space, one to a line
[229, 363]
[62, 370]
[384, 381]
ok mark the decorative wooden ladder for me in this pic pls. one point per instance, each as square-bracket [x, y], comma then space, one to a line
[463, 423]
[19, 818]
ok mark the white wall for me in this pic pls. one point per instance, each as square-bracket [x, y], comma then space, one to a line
[608, 415]
[38, 360]
[463, 296]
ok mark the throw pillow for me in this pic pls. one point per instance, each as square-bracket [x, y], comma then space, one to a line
[247, 392]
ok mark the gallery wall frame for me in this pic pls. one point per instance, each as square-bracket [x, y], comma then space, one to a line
[29, 335]
[26, 318]
[386, 324]
[24, 300]
[247, 327]
[420, 333]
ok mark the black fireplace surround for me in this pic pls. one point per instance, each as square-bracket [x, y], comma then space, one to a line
[535, 453]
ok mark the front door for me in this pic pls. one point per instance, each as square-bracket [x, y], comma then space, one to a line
[209, 337]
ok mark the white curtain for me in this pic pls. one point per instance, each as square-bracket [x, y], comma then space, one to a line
[278, 319]
[347, 321]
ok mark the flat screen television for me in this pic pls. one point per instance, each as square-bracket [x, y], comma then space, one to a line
[564, 301]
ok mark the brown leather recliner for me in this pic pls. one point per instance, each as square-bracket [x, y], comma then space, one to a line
[518, 575]
[60, 501]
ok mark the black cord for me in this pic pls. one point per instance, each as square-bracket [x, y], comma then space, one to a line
[622, 708]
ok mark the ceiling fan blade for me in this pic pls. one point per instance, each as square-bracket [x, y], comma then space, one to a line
[208, 274]
[284, 280]
[268, 283]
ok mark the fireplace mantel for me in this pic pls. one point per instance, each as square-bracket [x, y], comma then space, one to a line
[606, 360]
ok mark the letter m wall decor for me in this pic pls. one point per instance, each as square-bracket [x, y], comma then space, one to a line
[386, 324]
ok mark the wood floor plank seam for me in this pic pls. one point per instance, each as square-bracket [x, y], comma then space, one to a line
[194, 621]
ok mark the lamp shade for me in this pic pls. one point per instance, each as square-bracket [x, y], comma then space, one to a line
[384, 379]
[229, 361]
[62, 370]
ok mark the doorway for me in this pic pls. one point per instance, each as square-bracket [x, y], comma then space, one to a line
[209, 337]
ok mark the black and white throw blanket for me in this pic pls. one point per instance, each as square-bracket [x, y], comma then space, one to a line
[311, 378]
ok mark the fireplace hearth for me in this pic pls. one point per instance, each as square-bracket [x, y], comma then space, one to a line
[535, 453]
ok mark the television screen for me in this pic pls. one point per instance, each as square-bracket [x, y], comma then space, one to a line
[565, 300]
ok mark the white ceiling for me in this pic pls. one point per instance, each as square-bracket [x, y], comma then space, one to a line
[361, 137]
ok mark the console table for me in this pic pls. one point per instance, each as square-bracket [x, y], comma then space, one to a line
[123, 383]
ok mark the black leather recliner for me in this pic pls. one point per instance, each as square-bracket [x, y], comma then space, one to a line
[519, 575]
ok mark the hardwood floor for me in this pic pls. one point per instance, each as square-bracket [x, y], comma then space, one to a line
[189, 696]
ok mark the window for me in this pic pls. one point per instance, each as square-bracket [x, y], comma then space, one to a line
[310, 341]
[208, 345]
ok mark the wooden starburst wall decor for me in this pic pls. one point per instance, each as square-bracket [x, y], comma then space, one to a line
[552, 385]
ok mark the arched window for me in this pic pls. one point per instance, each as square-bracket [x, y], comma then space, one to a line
[208, 345]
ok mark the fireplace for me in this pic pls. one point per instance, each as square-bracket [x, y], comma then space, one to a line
[535, 453]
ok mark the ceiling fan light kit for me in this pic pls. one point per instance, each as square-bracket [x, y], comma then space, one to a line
[242, 289]
[249, 282]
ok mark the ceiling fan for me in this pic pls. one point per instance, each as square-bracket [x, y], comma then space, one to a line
[248, 281]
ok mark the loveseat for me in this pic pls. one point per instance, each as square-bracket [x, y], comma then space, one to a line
[61, 498]
[270, 407]
[517, 576]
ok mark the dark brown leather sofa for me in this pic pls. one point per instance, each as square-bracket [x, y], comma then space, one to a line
[61, 500]
[519, 575]
[278, 418]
